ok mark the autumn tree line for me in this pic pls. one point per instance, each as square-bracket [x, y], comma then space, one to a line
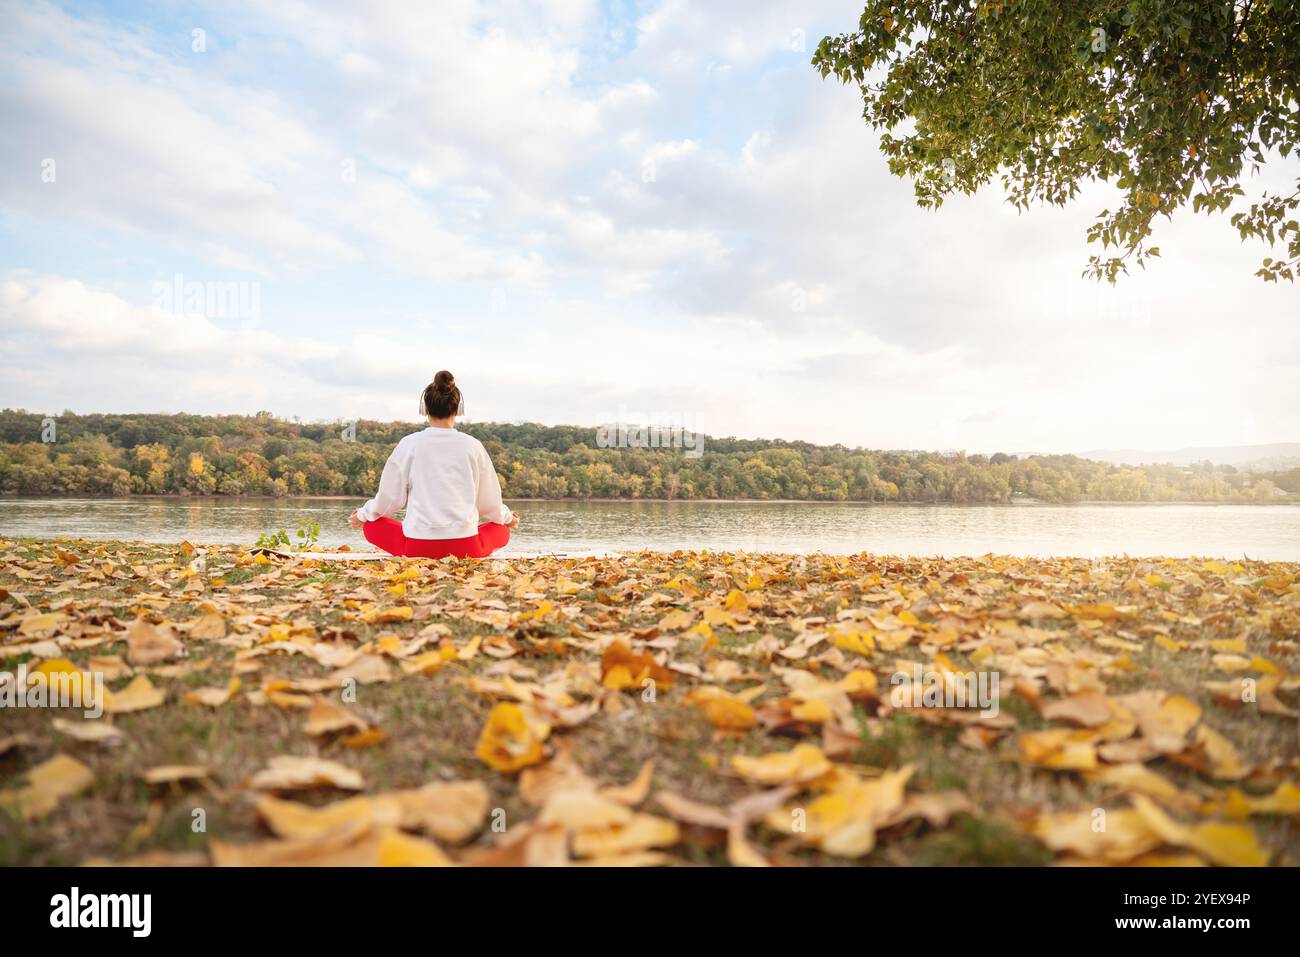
[148, 454]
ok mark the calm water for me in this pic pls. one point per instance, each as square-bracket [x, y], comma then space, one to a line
[1227, 531]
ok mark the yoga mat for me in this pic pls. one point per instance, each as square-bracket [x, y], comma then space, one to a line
[324, 556]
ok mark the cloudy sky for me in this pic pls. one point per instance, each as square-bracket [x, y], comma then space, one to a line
[604, 210]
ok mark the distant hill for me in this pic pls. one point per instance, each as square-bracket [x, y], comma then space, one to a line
[156, 454]
[1252, 458]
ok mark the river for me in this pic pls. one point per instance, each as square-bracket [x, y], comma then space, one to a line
[1270, 532]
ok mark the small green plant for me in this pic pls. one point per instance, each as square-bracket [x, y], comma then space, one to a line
[272, 540]
[304, 540]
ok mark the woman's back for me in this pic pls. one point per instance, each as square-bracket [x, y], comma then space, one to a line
[447, 484]
[446, 471]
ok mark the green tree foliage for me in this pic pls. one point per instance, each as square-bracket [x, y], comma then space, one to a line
[1170, 100]
[116, 455]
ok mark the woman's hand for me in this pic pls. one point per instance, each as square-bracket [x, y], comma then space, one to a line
[514, 520]
[354, 520]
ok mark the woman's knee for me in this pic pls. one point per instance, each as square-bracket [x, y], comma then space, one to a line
[385, 533]
[491, 536]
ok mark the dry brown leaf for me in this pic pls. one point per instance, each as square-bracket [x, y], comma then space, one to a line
[291, 773]
[531, 844]
[693, 812]
[1059, 748]
[1229, 845]
[561, 773]
[1113, 837]
[583, 810]
[327, 717]
[213, 697]
[139, 695]
[1165, 720]
[350, 846]
[1214, 755]
[47, 785]
[1088, 709]
[843, 820]
[636, 790]
[622, 669]
[366, 670]
[175, 773]
[512, 737]
[638, 833]
[209, 627]
[740, 852]
[803, 763]
[91, 732]
[148, 644]
[451, 811]
[724, 711]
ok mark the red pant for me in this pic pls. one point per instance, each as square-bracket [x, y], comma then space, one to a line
[387, 534]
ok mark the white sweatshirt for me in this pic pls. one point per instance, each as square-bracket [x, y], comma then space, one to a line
[446, 481]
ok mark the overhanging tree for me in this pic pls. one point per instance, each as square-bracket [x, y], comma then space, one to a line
[1173, 101]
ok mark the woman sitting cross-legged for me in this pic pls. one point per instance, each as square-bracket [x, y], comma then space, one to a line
[447, 484]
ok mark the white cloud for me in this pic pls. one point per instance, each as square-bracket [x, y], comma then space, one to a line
[694, 222]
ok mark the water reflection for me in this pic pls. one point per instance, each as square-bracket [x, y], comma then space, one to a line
[1232, 531]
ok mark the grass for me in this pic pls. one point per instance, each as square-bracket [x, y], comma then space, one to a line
[552, 619]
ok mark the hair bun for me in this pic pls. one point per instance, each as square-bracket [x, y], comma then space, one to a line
[441, 397]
